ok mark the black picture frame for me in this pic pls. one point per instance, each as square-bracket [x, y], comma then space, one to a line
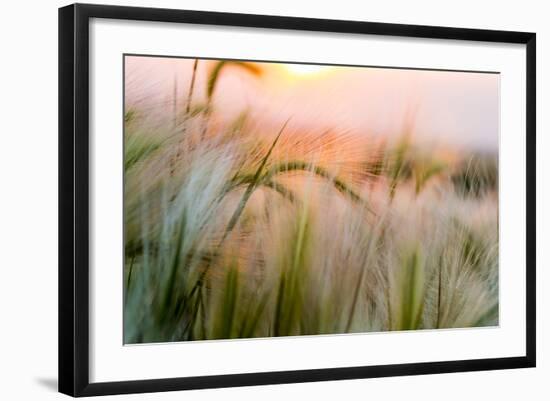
[74, 198]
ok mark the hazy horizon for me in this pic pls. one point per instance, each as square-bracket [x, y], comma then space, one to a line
[444, 108]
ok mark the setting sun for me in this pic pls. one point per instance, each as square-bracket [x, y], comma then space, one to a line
[305, 69]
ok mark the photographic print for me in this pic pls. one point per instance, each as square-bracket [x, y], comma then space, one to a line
[269, 199]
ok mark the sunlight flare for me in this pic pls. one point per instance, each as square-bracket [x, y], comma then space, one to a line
[305, 69]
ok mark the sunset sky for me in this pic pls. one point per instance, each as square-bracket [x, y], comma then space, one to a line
[446, 108]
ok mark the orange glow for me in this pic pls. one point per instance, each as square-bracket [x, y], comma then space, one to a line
[305, 69]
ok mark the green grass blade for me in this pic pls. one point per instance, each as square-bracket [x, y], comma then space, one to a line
[250, 189]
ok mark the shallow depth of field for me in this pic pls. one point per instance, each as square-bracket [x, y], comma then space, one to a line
[268, 200]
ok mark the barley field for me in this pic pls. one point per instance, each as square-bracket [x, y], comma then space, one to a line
[253, 221]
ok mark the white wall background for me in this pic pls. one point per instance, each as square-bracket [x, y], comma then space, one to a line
[28, 200]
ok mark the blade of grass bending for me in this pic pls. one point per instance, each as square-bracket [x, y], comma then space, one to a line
[213, 79]
[319, 171]
[250, 189]
[274, 185]
[191, 86]
[282, 190]
[242, 203]
[215, 73]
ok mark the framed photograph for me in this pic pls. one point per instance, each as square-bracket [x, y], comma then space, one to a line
[250, 199]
